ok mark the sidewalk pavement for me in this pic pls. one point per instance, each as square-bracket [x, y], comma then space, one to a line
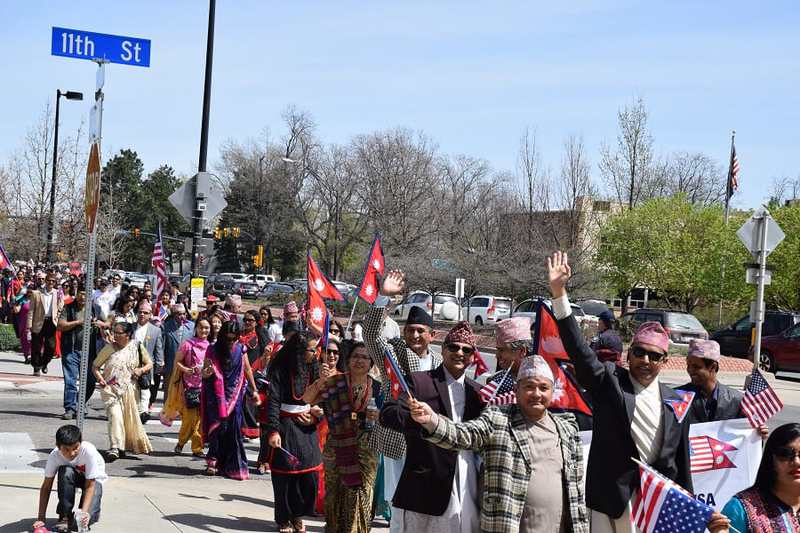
[134, 504]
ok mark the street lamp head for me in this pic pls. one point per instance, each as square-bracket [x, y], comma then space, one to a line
[290, 160]
[73, 95]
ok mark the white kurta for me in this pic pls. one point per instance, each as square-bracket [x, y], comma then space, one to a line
[461, 514]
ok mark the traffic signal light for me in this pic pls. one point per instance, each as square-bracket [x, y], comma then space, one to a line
[258, 259]
[236, 231]
[137, 232]
[217, 234]
[226, 232]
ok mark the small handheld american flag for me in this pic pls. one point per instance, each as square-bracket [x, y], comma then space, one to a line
[499, 389]
[760, 403]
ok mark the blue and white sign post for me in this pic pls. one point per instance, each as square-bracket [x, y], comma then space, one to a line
[100, 48]
[80, 44]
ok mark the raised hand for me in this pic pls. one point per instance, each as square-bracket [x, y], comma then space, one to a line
[558, 273]
[394, 283]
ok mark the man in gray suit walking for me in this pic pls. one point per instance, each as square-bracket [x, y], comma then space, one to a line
[149, 335]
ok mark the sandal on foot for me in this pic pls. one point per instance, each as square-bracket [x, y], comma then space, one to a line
[210, 471]
[286, 528]
[178, 449]
[298, 526]
[263, 468]
[112, 455]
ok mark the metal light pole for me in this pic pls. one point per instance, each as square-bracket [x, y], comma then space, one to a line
[69, 95]
[197, 219]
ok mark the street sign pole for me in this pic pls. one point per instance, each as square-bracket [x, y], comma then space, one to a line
[90, 261]
[762, 267]
[197, 219]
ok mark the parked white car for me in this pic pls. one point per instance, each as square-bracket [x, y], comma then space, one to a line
[423, 299]
[261, 279]
[236, 276]
[527, 308]
[484, 309]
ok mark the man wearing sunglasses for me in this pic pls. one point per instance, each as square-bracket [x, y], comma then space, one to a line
[438, 489]
[631, 416]
[412, 354]
[45, 306]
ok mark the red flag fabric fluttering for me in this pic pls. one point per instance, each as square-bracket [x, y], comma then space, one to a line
[319, 282]
[375, 267]
[547, 343]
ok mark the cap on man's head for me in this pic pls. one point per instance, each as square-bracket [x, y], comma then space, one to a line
[418, 316]
[145, 305]
[704, 349]
[177, 308]
[652, 333]
[607, 317]
[534, 366]
[513, 329]
[461, 332]
[233, 299]
[290, 307]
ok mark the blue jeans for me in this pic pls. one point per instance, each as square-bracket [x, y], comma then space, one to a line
[70, 479]
[71, 364]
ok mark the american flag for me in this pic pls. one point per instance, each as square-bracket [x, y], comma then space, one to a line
[707, 453]
[499, 389]
[662, 506]
[760, 403]
[159, 266]
[733, 172]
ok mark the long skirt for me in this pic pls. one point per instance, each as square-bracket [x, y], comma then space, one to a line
[348, 509]
[226, 450]
[125, 429]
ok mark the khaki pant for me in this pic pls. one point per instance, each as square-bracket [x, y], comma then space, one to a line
[190, 429]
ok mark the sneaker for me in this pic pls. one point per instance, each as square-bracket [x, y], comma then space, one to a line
[112, 455]
[68, 415]
[144, 417]
[62, 525]
[44, 370]
[36, 372]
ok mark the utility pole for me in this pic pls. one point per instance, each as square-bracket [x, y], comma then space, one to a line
[199, 196]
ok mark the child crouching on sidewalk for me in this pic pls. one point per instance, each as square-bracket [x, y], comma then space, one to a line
[78, 465]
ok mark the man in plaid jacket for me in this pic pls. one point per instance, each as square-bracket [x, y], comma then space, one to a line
[529, 454]
[412, 354]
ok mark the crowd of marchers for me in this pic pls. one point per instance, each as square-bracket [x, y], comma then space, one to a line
[340, 438]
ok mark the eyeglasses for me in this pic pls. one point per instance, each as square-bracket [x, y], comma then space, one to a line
[786, 454]
[453, 347]
[249, 319]
[639, 352]
[334, 352]
[334, 330]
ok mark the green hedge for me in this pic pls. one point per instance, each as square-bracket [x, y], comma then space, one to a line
[8, 339]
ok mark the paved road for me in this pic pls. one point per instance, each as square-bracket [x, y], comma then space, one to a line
[174, 492]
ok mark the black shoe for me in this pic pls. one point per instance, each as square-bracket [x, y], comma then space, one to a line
[112, 455]
[68, 415]
[44, 370]
[27, 360]
[144, 417]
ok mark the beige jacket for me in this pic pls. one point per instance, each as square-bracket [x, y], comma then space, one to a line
[37, 312]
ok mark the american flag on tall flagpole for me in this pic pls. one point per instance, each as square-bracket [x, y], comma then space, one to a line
[662, 505]
[760, 403]
[159, 266]
[733, 171]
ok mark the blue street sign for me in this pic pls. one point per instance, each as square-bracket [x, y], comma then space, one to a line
[101, 46]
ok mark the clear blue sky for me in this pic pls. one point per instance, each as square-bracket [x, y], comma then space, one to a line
[472, 75]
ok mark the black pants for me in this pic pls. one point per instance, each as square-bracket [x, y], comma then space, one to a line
[43, 345]
[69, 480]
[295, 495]
[154, 387]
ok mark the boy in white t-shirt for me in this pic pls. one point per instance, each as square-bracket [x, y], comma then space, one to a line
[78, 465]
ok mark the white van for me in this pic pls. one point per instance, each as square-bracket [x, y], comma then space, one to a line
[237, 276]
[261, 279]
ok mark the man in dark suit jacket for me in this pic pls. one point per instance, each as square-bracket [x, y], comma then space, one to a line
[712, 401]
[428, 495]
[631, 416]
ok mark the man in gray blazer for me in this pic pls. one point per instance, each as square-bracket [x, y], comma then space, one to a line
[149, 335]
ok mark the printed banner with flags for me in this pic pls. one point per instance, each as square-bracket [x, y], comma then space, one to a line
[663, 505]
[5, 262]
[319, 287]
[724, 458]
[375, 267]
[547, 343]
[160, 268]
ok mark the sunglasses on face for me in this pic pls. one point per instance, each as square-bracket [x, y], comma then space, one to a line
[249, 319]
[334, 352]
[639, 352]
[786, 454]
[466, 350]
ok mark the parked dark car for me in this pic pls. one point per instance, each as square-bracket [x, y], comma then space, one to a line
[781, 351]
[246, 289]
[681, 327]
[220, 287]
[273, 289]
[735, 340]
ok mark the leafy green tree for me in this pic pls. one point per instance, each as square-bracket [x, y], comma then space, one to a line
[676, 248]
[784, 292]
